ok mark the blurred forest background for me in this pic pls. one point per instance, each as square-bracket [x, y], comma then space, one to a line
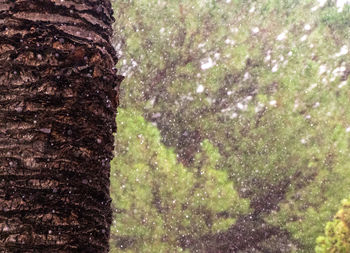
[234, 126]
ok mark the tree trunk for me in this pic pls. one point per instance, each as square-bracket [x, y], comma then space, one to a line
[58, 99]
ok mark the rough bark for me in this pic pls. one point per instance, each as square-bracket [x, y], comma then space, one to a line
[58, 99]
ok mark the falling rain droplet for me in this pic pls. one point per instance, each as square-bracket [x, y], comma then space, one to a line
[45, 130]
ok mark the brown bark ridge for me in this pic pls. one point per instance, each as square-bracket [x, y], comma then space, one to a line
[58, 99]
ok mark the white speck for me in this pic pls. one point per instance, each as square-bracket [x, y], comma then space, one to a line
[339, 71]
[259, 107]
[227, 109]
[273, 102]
[207, 64]
[282, 36]
[209, 100]
[233, 115]
[248, 98]
[19, 109]
[343, 51]
[200, 88]
[156, 115]
[246, 76]
[241, 106]
[255, 29]
[307, 27]
[314, 8]
[201, 45]
[322, 69]
[317, 104]
[303, 141]
[234, 29]
[189, 97]
[216, 55]
[303, 38]
[162, 30]
[342, 84]
[312, 86]
[274, 68]
[228, 1]
[45, 130]
[229, 42]
[347, 130]
[251, 10]
[290, 53]
[151, 101]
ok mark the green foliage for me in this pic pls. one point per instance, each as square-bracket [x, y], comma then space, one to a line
[337, 232]
[337, 20]
[159, 203]
[273, 102]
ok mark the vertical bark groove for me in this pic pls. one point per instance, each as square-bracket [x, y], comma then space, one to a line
[58, 99]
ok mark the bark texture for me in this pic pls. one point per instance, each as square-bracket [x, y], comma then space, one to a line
[58, 99]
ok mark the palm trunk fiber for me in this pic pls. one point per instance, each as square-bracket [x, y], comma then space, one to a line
[58, 99]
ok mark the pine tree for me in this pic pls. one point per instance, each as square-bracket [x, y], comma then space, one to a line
[161, 205]
[267, 83]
